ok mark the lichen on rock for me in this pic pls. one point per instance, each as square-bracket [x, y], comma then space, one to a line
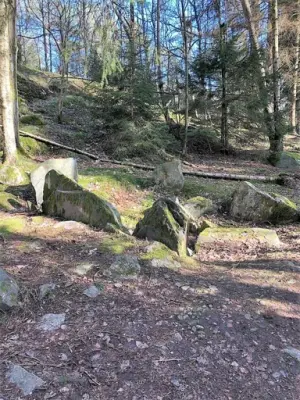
[198, 206]
[66, 199]
[265, 237]
[251, 204]
[165, 222]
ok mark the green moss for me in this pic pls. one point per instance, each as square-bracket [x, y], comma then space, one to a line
[219, 192]
[13, 174]
[32, 147]
[32, 119]
[9, 202]
[159, 251]
[12, 225]
[23, 107]
[296, 156]
[117, 244]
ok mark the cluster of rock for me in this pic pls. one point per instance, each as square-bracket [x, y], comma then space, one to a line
[167, 221]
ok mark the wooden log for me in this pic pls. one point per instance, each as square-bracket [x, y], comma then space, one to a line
[200, 174]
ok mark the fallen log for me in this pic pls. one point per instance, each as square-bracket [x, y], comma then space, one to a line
[217, 175]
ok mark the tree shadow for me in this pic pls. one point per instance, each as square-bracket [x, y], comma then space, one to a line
[186, 334]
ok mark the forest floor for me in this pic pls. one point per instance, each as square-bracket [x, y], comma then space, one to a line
[218, 328]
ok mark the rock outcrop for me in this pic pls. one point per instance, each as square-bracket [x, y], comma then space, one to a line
[166, 222]
[169, 176]
[66, 199]
[251, 204]
[66, 166]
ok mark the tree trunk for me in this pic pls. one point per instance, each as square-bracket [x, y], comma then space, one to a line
[8, 80]
[277, 139]
[294, 121]
[186, 76]
[45, 44]
[271, 112]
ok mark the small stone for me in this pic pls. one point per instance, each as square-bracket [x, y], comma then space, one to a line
[51, 322]
[201, 360]
[124, 365]
[83, 268]
[185, 288]
[46, 289]
[118, 285]
[248, 316]
[293, 352]
[124, 267]
[141, 345]
[178, 337]
[92, 291]
[25, 381]
[63, 357]
[234, 364]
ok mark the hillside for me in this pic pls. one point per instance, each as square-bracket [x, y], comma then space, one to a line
[220, 324]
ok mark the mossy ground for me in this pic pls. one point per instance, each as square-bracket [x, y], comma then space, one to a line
[128, 191]
[12, 225]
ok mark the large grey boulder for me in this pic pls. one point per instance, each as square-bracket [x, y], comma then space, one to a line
[198, 206]
[251, 204]
[66, 199]
[289, 160]
[169, 176]
[265, 237]
[66, 166]
[9, 291]
[166, 222]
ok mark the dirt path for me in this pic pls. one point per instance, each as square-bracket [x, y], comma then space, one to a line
[212, 332]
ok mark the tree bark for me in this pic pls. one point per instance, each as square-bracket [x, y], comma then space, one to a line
[294, 93]
[278, 136]
[186, 75]
[8, 80]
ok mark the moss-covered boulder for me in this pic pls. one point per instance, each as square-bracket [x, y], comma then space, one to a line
[198, 206]
[13, 175]
[233, 236]
[66, 166]
[169, 176]
[288, 160]
[66, 199]
[251, 204]
[166, 222]
[9, 291]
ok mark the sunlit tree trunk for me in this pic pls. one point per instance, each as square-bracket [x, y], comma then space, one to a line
[8, 80]
[294, 93]
[186, 74]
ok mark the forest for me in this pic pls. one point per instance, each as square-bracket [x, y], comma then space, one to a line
[227, 68]
[149, 199]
